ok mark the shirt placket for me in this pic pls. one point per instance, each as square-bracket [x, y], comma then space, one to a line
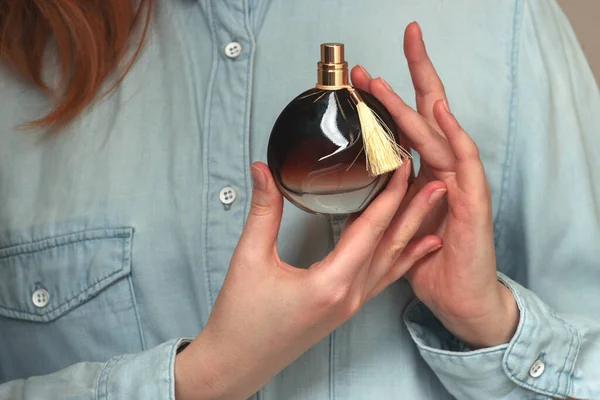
[226, 135]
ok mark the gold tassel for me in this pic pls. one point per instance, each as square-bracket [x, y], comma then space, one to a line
[382, 153]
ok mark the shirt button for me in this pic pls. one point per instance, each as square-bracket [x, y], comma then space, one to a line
[227, 195]
[233, 50]
[40, 298]
[537, 369]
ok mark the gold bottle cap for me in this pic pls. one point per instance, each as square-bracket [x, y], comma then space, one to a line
[332, 53]
[333, 68]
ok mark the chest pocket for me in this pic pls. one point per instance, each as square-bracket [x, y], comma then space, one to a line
[65, 299]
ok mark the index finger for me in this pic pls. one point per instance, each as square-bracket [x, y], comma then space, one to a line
[359, 241]
[425, 139]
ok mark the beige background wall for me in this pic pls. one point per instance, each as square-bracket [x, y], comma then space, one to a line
[585, 18]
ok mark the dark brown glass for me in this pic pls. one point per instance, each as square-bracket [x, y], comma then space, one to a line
[316, 153]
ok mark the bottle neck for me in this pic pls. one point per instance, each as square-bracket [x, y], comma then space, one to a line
[332, 76]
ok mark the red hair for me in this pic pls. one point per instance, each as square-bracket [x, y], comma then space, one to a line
[91, 40]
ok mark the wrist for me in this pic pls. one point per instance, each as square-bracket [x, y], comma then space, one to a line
[512, 314]
[496, 327]
[196, 376]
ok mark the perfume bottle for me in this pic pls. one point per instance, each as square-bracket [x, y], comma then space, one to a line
[333, 148]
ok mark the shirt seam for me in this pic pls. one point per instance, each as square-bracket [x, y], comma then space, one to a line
[60, 240]
[134, 302]
[568, 358]
[247, 113]
[567, 368]
[576, 345]
[137, 312]
[499, 225]
[103, 377]
[445, 353]
[98, 383]
[74, 299]
[172, 355]
[520, 329]
[207, 123]
[332, 365]
[334, 224]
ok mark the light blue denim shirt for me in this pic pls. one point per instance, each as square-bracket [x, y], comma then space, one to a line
[115, 237]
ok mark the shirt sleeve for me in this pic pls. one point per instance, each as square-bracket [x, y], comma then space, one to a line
[146, 375]
[547, 229]
[550, 356]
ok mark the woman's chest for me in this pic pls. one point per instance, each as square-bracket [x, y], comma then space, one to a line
[129, 217]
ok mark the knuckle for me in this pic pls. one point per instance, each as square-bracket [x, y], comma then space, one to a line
[471, 151]
[338, 298]
[472, 210]
[352, 306]
[409, 257]
[462, 211]
[396, 248]
[334, 295]
[377, 226]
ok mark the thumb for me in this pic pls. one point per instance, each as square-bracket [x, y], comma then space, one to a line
[264, 218]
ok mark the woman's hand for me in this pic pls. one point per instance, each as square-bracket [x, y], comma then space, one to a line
[459, 283]
[268, 312]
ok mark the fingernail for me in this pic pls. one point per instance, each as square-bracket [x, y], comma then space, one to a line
[446, 105]
[435, 248]
[258, 179]
[365, 71]
[387, 85]
[436, 196]
[407, 169]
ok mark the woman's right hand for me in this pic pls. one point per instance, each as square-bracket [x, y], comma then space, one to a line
[268, 312]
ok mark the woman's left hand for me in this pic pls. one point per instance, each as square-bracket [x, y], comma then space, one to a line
[458, 283]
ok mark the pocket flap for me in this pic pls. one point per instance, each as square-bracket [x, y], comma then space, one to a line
[43, 279]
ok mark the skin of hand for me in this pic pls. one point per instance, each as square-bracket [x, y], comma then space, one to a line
[459, 283]
[268, 313]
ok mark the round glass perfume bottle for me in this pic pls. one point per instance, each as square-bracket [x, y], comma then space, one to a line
[316, 151]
